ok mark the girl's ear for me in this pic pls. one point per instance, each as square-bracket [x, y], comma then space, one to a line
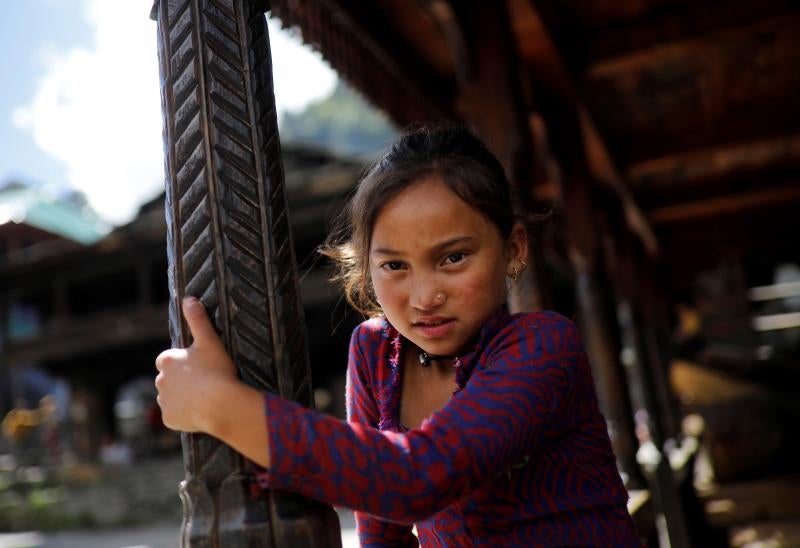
[517, 246]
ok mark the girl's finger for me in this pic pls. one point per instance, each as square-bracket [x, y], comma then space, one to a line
[202, 330]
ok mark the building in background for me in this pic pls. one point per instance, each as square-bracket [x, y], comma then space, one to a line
[89, 311]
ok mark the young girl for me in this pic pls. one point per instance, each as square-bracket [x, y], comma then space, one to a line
[475, 425]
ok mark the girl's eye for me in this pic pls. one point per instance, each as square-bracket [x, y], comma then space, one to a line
[456, 257]
[392, 265]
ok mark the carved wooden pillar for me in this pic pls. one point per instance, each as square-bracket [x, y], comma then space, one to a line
[229, 244]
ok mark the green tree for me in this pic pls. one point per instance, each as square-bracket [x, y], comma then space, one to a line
[343, 123]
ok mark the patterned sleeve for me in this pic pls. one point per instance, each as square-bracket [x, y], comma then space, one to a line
[506, 407]
[362, 409]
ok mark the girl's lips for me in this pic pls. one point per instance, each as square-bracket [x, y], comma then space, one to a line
[435, 330]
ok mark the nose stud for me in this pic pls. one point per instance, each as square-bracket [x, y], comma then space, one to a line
[440, 298]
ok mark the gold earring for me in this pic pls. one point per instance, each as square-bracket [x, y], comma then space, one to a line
[515, 274]
[524, 265]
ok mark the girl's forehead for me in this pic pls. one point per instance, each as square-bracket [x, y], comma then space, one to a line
[423, 196]
[426, 215]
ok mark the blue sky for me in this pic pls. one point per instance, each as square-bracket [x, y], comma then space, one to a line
[27, 31]
[80, 106]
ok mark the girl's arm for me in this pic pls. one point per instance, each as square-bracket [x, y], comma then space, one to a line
[199, 391]
[521, 396]
[503, 411]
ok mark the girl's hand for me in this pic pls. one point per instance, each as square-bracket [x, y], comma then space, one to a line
[191, 380]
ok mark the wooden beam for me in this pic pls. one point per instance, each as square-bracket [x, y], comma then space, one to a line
[775, 291]
[553, 71]
[604, 170]
[358, 43]
[769, 499]
[732, 86]
[774, 322]
[714, 163]
[683, 19]
[764, 532]
[725, 205]
[491, 100]
[560, 30]
[446, 19]
[642, 510]
[537, 48]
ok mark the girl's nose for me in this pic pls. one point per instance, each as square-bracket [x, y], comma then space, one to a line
[427, 297]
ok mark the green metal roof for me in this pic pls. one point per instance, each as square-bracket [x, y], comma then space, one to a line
[43, 209]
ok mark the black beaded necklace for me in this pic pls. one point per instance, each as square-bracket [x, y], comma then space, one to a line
[425, 359]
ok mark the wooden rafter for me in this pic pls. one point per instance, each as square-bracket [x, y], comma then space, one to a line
[491, 99]
[618, 35]
[714, 163]
[442, 12]
[731, 86]
[726, 204]
[355, 39]
[556, 73]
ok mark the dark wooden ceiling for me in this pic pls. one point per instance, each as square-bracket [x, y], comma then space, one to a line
[691, 106]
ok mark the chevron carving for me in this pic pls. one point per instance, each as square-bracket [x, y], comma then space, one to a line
[229, 243]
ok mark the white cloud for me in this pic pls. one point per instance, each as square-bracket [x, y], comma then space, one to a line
[99, 112]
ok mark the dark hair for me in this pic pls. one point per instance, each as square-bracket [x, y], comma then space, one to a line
[452, 153]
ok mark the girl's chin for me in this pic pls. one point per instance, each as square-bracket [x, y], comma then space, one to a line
[444, 344]
[440, 349]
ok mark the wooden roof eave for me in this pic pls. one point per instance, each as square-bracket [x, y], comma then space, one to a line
[354, 38]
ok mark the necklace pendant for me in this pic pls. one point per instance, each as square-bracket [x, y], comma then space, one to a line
[424, 359]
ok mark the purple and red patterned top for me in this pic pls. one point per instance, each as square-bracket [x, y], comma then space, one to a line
[519, 456]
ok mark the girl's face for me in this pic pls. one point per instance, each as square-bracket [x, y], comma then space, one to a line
[438, 266]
